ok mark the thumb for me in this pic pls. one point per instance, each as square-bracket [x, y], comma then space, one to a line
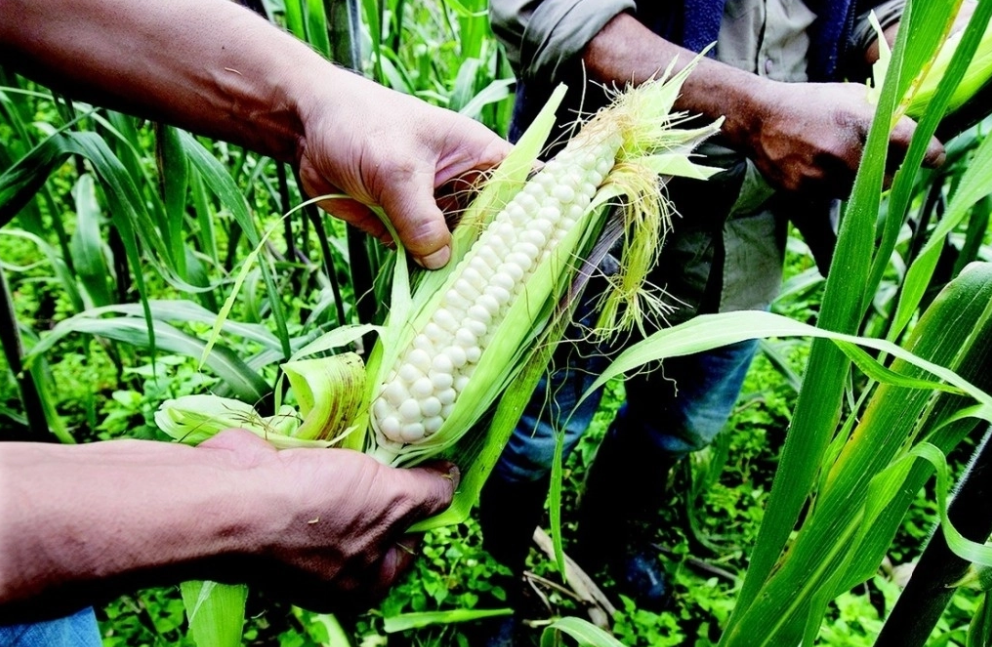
[431, 488]
[419, 223]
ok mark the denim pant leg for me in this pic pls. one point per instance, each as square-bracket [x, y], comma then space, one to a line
[680, 408]
[77, 630]
[554, 408]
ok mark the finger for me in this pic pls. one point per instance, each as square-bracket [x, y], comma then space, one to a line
[409, 204]
[430, 488]
[395, 563]
[347, 209]
[357, 214]
[935, 155]
[902, 135]
[478, 149]
[454, 196]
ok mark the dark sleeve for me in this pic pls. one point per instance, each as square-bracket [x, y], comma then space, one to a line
[863, 34]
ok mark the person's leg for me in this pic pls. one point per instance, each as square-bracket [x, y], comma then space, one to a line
[680, 408]
[513, 498]
[668, 413]
[512, 501]
[78, 630]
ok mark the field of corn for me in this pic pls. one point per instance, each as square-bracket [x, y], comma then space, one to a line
[140, 265]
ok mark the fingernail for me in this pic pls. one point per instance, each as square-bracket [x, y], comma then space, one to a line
[455, 475]
[437, 260]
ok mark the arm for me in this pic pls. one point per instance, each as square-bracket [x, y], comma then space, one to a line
[802, 136]
[84, 523]
[219, 70]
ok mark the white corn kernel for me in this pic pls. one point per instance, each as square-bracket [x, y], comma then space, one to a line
[430, 407]
[422, 388]
[409, 373]
[412, 432]
[432, 425]
[410, 410]
[457, 353]
[441, 381]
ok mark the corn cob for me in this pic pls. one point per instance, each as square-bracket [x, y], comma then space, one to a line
[923, 89]
[429, 376]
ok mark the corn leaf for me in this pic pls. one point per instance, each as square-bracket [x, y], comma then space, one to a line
[88, 254]
[416, 620]
[583, 631]
[975, 185]
[216, 612]
[248, 385]
[817, 411]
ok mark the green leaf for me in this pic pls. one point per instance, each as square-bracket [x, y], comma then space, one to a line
[89, 255]
[245, 383]
[217, 180]
[980, 630]
[974, 185]
[216, 612]
[407, 621]
[174, 171]
[583, 631]
[971, 551]
[855, 272]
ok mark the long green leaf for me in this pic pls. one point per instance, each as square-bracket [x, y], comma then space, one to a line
[817, 411]
[216, 178]
[827, 551]
[248, 385]
[406, 621]
[89, 255]
[975, 185]
[174, 171]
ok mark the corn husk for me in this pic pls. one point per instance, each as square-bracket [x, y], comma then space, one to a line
[334, 408]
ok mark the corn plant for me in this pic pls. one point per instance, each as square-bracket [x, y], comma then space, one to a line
[857, 479]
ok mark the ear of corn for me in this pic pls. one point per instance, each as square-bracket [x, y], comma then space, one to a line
[456, 339]
[978, 73]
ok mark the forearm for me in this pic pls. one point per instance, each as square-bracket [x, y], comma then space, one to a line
[82, 523]
[207, 65]
[626, 51]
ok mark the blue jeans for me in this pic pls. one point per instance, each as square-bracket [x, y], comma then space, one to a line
[77, 630]
[668, 413]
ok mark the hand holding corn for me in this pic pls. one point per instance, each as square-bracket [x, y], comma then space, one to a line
[803, 136]
[218, 69]
[809, 137]
[82, 524]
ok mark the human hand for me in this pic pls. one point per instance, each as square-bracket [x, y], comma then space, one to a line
[329, 533]
[385, 148]
[809, 137]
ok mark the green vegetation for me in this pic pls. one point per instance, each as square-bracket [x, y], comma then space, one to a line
[111, 227]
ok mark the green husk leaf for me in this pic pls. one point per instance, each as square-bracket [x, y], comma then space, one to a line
[192, 419]
[329, 392]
